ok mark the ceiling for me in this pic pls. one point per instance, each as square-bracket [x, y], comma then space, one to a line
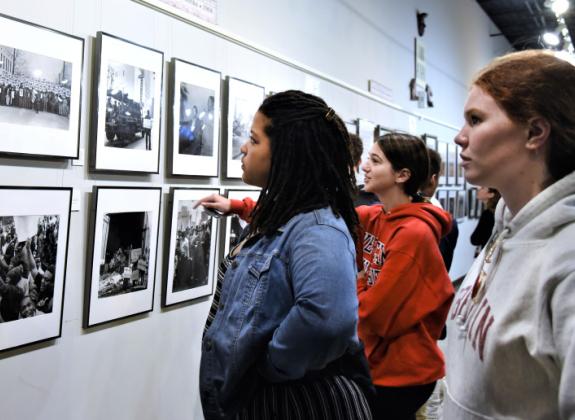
[523, 21]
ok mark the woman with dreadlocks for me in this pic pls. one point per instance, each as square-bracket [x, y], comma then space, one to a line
[281, 337]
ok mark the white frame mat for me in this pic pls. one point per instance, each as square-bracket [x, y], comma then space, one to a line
[170, 297]
[30, 201]
[253, 95]
[121, 200]
[104, 158]
[43, 141]
[182, 164]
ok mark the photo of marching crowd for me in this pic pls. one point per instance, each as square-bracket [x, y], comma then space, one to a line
[129, 106]
[126, 253]
[192, 256]
[34, 89]
[28, 250]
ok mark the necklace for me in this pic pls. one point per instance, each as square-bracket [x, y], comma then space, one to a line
[481, 282]
[485, 268]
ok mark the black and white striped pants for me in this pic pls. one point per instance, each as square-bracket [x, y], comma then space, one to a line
[323, 398]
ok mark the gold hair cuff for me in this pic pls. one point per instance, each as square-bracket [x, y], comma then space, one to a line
[330, 114]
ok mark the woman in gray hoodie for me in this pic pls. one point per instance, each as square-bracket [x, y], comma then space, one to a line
[511, 328]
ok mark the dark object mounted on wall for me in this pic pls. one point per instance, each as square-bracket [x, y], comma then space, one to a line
[429, 95]
[421, 22]
[413, 90]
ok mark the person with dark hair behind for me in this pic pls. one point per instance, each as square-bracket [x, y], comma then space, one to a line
[363, 198]
[480, 236]
[281, 336]
[448, 242]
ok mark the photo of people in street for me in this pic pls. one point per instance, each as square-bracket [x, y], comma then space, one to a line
[28, 250]
[126, 253]
[192, 251]
[34, 89]
[129, 106]
[196, 120]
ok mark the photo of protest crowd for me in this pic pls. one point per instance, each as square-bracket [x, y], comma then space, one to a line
[192, 256]
[34, 89]
[28, 251]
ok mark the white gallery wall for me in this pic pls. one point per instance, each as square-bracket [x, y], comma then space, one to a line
[146, 367]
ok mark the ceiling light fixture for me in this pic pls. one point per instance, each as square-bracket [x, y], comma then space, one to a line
[557, 6]
[551, 39]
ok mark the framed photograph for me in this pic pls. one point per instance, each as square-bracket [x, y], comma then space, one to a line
[192, 248]
[126, 100]
[125, 240]
[430, 141]
[195, 124]
[40, 90]
[478, 207]
[451, 164]
[235, 225]
[367, 131]
[471, 202]
[244, 99]
[442, 150]
[451, 202]
[460, 206]
[381, 130]
[351, 126]
[442, 198]
[460, 178]
[34, 230]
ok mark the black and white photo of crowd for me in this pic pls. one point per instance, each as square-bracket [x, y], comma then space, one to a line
[193, 239]
[28, 251]
[237, 226]
[196, 132]
[125, 253]
[243, 116]
[129, 106]
[34, 89]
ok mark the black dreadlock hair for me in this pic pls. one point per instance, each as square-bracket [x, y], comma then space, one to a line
[311, 165]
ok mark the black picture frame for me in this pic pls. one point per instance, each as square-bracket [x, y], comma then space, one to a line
[242, 102]
[48, 97]
[28, 215]
[430, 141]
[188, 276]
[234, 225]
[194, 121]
[119, 215]
[125, 133]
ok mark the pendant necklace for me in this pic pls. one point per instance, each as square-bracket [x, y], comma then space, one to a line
[481, 282]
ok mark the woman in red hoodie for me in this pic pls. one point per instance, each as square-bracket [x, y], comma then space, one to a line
[404, 290]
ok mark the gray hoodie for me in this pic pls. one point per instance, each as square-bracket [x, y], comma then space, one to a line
[511, 347]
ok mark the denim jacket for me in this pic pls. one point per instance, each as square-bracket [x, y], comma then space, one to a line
[288, 308]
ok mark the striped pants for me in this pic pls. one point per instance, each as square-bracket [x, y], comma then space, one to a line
[324, 398]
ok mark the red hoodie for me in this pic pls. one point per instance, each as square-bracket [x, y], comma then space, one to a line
[405, 294]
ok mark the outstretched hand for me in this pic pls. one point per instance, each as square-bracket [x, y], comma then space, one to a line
[215, 202]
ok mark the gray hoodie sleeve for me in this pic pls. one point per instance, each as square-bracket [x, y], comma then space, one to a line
[562, 308]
